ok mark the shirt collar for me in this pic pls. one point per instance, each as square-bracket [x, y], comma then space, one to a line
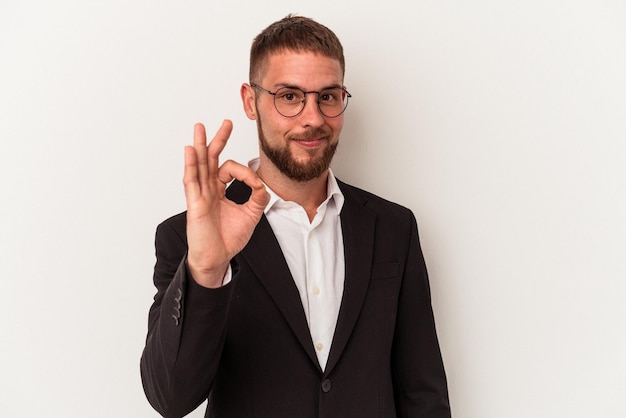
[333, 192]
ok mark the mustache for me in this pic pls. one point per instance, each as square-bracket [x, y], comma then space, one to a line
[316, 133]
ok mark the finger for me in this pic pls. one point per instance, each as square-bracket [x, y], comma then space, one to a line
[217, 145]
[231, 170]
[200, 148]
[190, 177]
[259, 197]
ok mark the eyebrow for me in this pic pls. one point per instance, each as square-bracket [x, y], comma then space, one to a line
[293, 86]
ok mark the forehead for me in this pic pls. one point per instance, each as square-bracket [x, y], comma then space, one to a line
[302, 69]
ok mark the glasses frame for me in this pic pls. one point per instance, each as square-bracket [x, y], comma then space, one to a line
[273, 93]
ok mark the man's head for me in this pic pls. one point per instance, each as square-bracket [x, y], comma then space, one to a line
[295, 34]
[298, 54]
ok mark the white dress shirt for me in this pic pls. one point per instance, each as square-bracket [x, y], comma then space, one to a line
[314, 253]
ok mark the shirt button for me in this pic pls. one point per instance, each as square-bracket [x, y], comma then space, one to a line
[316, 291]
[319, 346]
[326, 386]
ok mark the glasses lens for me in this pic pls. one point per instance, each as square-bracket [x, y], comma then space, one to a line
[333, 102]
[289, 101]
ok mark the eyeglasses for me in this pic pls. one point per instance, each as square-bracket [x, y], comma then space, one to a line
[290, 101]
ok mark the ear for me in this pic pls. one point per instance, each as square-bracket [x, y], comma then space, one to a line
[248, 96]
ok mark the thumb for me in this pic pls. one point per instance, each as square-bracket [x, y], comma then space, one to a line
[259, 198]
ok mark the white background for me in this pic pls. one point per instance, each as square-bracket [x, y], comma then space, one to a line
[501, 124]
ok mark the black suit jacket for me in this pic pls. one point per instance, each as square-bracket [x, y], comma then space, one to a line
[247, 347]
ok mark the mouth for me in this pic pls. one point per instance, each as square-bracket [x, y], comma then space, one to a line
[309, 143]
[310, 140]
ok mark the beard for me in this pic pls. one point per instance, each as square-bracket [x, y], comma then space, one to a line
[282, 158]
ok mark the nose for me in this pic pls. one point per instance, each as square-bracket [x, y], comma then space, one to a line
[311, 115]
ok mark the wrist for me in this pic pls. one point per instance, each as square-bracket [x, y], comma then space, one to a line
[210, 278]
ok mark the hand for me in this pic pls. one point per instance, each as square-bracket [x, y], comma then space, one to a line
[217, 228]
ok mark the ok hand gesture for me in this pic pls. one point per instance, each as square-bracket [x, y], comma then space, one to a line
[217, 228]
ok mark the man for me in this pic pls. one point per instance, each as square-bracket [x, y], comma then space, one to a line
[290, 293]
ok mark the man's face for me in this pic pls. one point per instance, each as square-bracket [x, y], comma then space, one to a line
[303, 146]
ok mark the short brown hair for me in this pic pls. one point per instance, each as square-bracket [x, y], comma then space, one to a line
[293, 33]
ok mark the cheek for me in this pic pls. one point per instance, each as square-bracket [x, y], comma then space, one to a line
[336, 125]
[276, 126]
[270, 128]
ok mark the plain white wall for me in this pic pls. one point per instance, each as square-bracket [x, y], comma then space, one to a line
[501, 124]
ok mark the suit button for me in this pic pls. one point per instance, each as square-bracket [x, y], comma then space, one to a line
[179, 295]
[176, 312]
[175, 320]
[326, 385]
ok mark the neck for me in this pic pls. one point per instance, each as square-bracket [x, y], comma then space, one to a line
[308, 194]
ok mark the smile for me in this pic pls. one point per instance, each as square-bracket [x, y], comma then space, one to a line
[309, 143]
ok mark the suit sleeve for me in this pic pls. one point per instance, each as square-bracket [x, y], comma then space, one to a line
[186, 328]
[420, 385]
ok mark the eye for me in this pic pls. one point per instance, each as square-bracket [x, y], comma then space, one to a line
[289, 96]
[330, 96]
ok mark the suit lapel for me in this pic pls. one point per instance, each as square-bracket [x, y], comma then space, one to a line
[266, 259]
[357, 224]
